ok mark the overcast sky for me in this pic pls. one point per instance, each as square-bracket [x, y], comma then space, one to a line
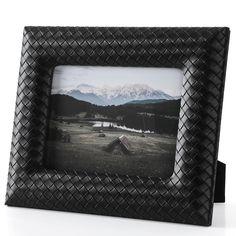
[168, 80]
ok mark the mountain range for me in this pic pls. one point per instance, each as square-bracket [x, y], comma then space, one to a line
[116, 95]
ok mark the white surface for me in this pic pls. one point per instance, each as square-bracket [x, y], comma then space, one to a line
[14, 15]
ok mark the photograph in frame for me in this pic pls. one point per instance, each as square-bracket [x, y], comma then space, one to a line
[118, 120]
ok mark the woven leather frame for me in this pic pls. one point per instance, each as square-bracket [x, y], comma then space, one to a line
[186, 197]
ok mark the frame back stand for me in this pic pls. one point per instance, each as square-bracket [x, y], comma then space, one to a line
[220, 182]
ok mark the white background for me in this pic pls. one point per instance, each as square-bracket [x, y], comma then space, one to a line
[14, 15]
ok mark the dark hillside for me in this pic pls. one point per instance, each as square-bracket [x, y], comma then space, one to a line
[63, 105]
[158, 117]
[168, 107]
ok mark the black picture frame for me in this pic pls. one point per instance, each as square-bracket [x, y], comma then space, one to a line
[186, 197]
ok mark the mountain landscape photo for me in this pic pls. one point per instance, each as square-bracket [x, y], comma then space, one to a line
[123, 127]
[116, 95]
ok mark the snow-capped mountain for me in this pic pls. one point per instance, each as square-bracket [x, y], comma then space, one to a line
[116, 95]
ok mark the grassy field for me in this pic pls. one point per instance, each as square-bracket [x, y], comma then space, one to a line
[152, 155]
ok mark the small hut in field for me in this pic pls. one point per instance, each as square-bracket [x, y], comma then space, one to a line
[119, 145]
